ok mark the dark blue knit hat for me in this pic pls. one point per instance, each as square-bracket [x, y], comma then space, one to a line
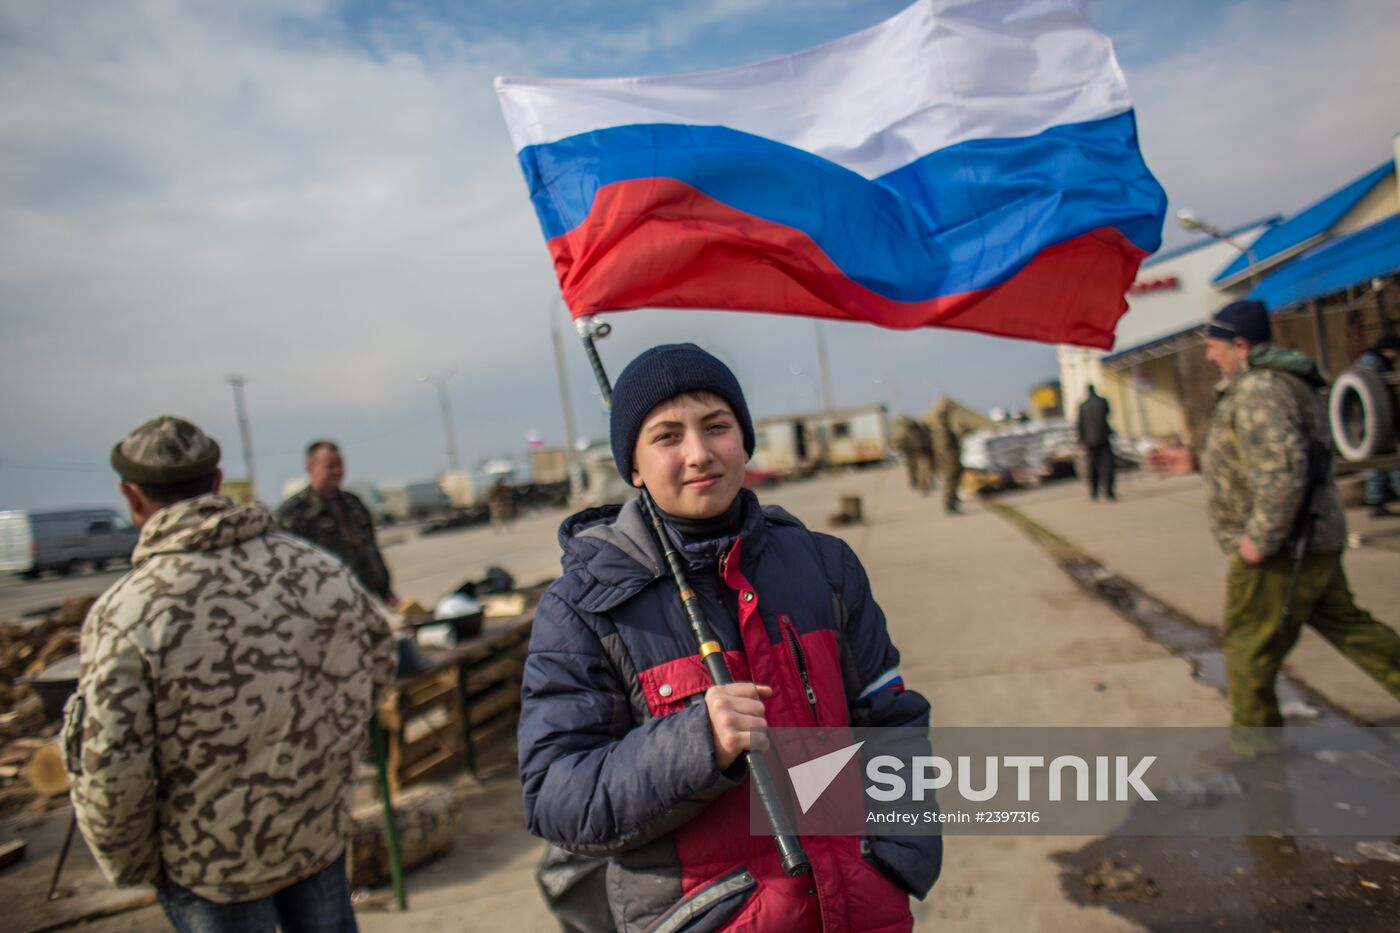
[1248, 320]
[659, 374]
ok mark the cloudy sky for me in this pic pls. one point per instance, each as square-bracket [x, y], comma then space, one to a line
[321, 197]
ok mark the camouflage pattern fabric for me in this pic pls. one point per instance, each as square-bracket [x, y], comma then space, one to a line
[1255, 456]
[948, 455]
[163, 451]
[343, 526]
[1255, 642]
[216, 734]
[916, 443]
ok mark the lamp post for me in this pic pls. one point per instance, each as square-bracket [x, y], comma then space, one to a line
[811, 382]
[1189, 221]
[893, 389]
[566, 406]
[823, 420]
[246, 435]
[440, 382]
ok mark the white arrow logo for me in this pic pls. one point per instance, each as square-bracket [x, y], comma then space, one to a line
[811, 778]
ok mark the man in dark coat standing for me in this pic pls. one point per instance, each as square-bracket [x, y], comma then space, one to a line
[335, 520]
[1096, 436]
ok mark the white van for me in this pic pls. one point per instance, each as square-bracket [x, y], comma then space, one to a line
[63, 540]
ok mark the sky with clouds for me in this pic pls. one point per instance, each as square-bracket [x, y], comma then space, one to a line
[321, 197]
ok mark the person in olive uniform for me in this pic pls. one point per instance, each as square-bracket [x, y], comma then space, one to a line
[335, 520]
[916, 443]
[947, 440]
[1255, 464]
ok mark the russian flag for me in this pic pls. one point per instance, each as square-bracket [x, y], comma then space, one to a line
[968, 163]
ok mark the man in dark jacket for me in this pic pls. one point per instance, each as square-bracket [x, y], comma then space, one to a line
[628, 751]
[1381, 485]
[335, 520]
[1096, 437]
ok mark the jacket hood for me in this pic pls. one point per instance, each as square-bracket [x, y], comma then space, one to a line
[1285, 360]
[616, 550]
[205, 523]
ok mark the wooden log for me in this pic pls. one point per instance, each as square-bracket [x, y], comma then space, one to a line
[428, 819]
[46, 773]
[26, 718]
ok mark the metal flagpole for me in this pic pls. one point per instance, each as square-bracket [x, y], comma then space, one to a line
[779, 822]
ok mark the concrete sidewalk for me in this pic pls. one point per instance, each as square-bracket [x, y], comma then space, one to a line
[1156, 536]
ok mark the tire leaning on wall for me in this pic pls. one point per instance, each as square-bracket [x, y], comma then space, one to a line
[1361, 412]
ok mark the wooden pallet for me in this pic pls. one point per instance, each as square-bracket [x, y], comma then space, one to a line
[436, 720]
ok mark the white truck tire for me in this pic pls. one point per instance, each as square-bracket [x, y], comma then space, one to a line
[1362, 415]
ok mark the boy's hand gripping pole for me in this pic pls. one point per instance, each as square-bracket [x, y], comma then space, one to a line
[779, 823]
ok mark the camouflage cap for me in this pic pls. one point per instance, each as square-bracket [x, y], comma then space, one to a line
[165, 451]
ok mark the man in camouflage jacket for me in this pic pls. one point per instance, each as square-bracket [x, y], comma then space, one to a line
[1255, 463]
[215, 737]
[335, 520]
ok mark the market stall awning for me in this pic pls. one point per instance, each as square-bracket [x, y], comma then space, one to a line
[1154, 349]
[1349, 260]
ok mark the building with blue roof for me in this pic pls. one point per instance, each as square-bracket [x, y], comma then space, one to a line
[1314, 269]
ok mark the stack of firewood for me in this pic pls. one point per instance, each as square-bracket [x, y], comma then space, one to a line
[27, 647]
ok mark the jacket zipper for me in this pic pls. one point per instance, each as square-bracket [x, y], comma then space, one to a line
[795, 647]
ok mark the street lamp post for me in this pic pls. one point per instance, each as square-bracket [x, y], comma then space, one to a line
[571, 458]
[440, 382]
[1189, 221]
[245, 435]
[894, 391]
[811, 383]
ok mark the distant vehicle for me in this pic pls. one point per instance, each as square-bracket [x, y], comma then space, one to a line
[369, 494]
[847, 437]
[63, 540]
[409, 502]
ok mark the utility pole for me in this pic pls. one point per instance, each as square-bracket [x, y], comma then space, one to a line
[238, 382]
[566, 406]
[440, 382]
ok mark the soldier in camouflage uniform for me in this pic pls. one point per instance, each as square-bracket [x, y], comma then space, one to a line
[336, 520]
[947, 441]
[1255, 463]
[215, 737]
[916, 443]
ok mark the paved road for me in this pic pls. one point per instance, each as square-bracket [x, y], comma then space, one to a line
[19, 596]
